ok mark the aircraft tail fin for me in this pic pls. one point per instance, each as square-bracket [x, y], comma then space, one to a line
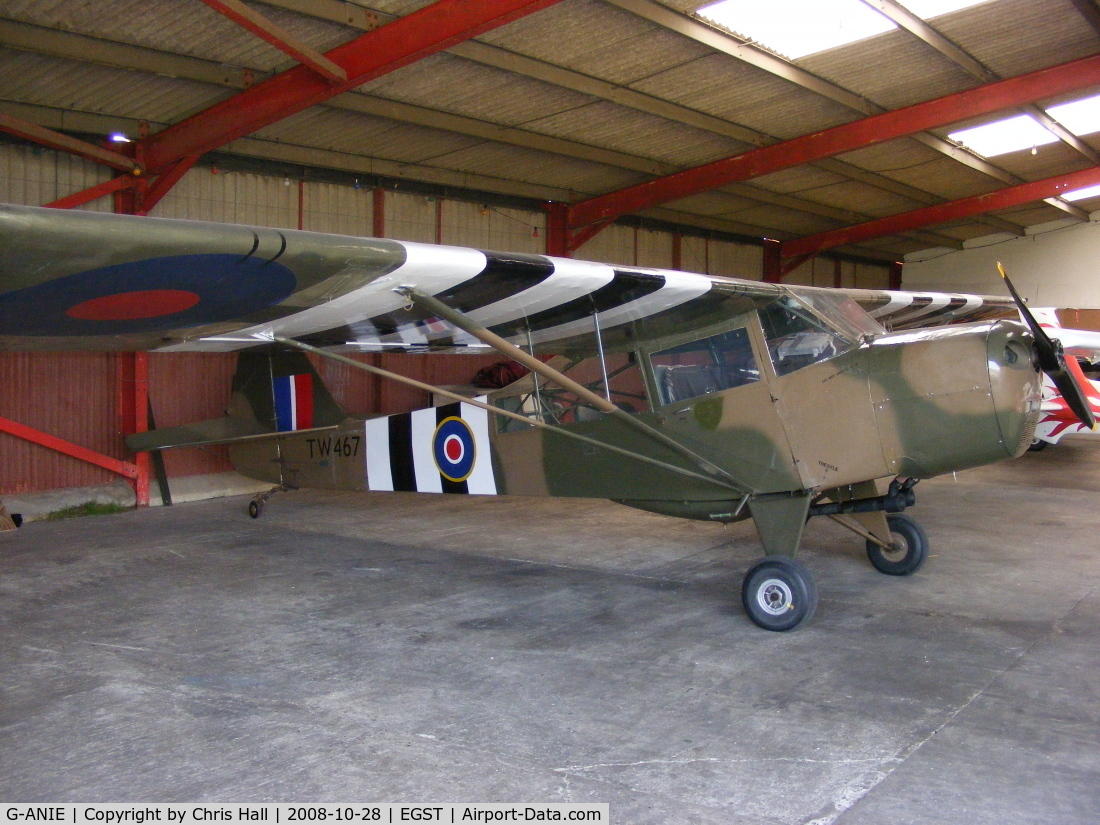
[273, 394]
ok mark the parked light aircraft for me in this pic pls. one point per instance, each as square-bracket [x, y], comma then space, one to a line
[1057, 419]
[688, 395]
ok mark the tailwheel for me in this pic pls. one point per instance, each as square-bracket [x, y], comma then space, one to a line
[909, 550]
[256, 507]
[779, 593]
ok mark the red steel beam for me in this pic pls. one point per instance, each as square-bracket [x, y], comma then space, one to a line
[868, 131]
[280, 38]
[94, 192]
[55, 140]
[905, 221]
[123, 468]
[406, 40]
[169, 178]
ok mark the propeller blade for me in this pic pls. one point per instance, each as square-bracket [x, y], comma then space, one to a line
[1052, 360]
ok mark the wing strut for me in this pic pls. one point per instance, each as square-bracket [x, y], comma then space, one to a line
[456, 318]
[420, 385]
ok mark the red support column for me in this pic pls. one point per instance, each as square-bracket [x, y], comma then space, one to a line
[133, 412]
[439, 220]
[895, 275]
[133, 386]
[141, 421]
[773, 264]
[557, 235]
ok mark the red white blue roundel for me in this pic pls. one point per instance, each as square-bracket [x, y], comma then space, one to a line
[453, 448]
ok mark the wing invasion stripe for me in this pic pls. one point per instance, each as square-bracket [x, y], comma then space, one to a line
[504, 276]
[625, 287]
[677, 288]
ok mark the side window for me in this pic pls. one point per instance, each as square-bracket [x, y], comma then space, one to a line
[795, 339]
[553, 405]
[705, 366]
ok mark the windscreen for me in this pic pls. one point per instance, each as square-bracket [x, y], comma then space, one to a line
[798, 335]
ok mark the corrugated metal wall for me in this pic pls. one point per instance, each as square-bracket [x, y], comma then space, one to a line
[75, 395]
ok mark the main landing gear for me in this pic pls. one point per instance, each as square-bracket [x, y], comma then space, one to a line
[779, 593]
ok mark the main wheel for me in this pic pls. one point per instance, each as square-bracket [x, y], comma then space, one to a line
[1036, 445]
[255, 507]
[909, 551]
[779, 593]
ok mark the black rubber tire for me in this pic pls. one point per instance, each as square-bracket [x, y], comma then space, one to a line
[911, 548]
[255, 508]
[779, 593]
[1037, 444]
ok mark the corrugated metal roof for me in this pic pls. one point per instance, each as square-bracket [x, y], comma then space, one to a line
[906, 70]
[598, 39]
[1012, 37]
[464, 87]
[626, 130]
[30, 78]
[596, 43]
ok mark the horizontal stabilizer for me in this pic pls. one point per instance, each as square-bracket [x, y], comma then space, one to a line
[215, 431]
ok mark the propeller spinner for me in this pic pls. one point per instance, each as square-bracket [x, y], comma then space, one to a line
[1052, 360]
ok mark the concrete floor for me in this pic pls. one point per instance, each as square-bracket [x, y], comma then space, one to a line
[442, 649]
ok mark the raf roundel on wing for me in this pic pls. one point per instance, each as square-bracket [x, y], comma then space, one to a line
[154, 294]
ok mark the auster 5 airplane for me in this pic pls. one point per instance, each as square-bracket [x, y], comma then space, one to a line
[688, 395]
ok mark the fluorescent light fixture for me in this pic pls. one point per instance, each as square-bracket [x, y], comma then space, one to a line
[1082, 117]
[796, 28]
[1004, 136]
[119, 137]
[1081, 194]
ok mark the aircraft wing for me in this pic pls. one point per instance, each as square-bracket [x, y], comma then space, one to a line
[907, 310]
[84, 280]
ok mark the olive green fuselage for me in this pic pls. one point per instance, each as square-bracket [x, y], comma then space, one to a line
[915, 404]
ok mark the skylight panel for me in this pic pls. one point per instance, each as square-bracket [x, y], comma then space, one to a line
[927, 9]
[1081, 194]
[1004, 136]
[1082, 117]
[795, 28]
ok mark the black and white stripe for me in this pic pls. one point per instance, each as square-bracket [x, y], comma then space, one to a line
[400, 457]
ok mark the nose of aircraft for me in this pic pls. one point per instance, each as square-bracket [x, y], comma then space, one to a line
[1015, 383]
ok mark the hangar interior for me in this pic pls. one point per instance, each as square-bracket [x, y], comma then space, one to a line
[630, 132]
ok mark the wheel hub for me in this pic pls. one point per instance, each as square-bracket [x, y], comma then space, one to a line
[899, 548]
[775, 597]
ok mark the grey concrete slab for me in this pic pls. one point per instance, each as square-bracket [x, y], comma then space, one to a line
[416, 648]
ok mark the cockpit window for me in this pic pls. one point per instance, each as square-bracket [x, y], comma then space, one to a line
[796, 338]
[705, 366]
[837, 310]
